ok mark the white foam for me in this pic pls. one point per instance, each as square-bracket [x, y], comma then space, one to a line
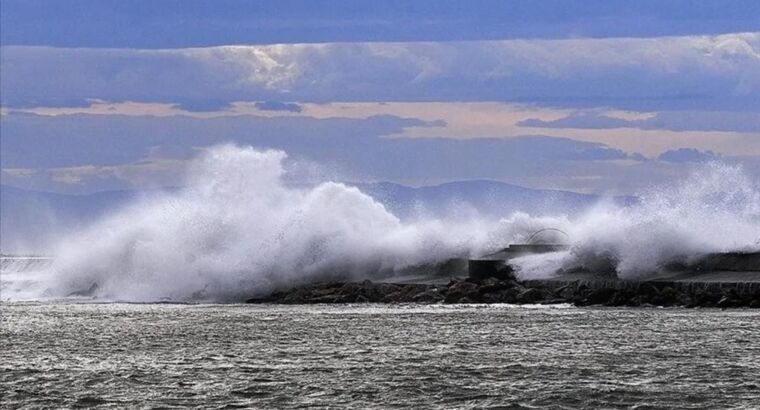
[716, 209]
[238, 229]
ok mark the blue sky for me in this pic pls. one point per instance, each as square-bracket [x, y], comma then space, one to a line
[593, 96]
[193, 23]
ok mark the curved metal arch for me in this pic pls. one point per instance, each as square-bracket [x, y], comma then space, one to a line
[533, 235]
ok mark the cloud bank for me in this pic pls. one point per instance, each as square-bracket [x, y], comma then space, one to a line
[747, 122]
[694, 72]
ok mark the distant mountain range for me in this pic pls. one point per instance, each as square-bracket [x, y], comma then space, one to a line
[28, 217]
[487, 198]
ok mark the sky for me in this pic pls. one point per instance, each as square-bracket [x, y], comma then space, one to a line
[590, 96]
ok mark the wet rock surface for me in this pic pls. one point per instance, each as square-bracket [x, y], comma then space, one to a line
[496, 290]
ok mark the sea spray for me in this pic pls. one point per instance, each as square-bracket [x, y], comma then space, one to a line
[237, 229]
[715, 209]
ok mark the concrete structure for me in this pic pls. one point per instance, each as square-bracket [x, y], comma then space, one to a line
[713, 267]
[496, 264]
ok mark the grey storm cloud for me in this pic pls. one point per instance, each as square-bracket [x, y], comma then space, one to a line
[358, 146]
[687, 155]
[695, 72]
[278, 106]
[742, 121]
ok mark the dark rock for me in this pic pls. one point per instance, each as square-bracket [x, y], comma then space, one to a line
[621, 297]
[566, 292]
[463, 287]
[510, 283]
[490, 285]
[453, 297]
[667, 296]
[459, 290]
[554, 301]
[639, 300]
[484, 268]
[385, 289]
[727, 302]
[349, 289]
[704, 299]
[409, 291]
[509, 295]
[428, 296]
[295, 296]
[684, 299]
[393, 297]
[530, 295]
[327, 299]
[494, 290]
[599, 296]
[361, 299]
[492, 297]
[648, 290]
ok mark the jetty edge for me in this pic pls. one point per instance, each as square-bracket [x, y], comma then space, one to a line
[511, 291]
[727, 280]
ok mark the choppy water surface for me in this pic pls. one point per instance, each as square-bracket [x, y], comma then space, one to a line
[122, 355]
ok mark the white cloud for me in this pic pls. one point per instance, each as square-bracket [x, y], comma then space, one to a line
[649, 133]
[21, 173]
[145, 173]
[708, 71]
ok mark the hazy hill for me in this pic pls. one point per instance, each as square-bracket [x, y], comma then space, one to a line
[488, 198]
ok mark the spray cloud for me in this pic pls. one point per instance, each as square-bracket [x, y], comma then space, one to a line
[237, 229]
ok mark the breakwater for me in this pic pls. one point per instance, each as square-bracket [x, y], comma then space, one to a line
[494, 290]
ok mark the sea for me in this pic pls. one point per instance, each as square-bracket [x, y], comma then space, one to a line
[70, 354]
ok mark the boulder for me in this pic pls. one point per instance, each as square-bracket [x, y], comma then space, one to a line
[453, 297]
[667, 296]
[384, 289]
[361, 299]
[490, 285]
[492, 297]
[463, 287]
[728, 301]
[599, 296]
[530, 295]
[428, 296]
[393, 297]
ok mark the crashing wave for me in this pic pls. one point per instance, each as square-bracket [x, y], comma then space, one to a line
[237, 228]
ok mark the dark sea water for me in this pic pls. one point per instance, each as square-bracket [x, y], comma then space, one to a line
[229, 356]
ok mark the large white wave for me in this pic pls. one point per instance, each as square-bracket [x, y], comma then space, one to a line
[715, 209]
[238, 229]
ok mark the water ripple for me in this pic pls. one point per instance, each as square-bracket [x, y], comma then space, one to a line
[237, 356]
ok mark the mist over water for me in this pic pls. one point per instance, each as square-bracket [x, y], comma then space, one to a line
[238, 229]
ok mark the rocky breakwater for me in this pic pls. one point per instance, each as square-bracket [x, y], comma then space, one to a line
[510, 290]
